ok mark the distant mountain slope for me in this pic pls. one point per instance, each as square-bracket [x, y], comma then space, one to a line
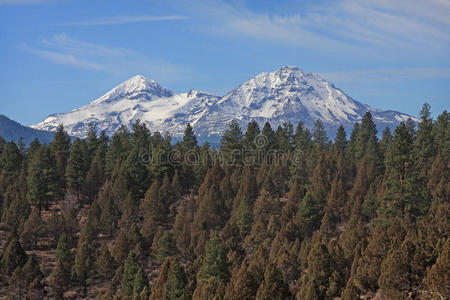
[137, 98]
[12, 131]
[288, 94]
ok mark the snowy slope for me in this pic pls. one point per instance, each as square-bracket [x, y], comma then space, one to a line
[137, 98]
[288, 94]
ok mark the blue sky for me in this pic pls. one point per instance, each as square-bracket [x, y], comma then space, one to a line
[57, 55]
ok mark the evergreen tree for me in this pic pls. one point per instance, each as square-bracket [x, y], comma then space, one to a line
[140, 284]
[105, 263]
[424, 143]
[283, 137]
[302, 138]
[121, 247]
[308, 215]
[215, 263]
[82, 268]
[268, 138]
[395, 277]
[135, 173]
[244, 216]
[155, 210]
[367, 130]
[441, 134]
[32, 228]
[315, 282]
[243, 284]
[60, 147]
[13, 257]
[273, 287]
[10, 162]
[250, 135]
[133, 278]
[166, 246]
[398, 160]
[109, 210]
[189, 139]
[158, 289]
[351, 148]
[159, 163]
[118, 149]
[386, 140]
[77, 166]
[42, 178]
[23, 278]
[94, 177]
[177, 283]
[438, 275]
[340, 142]
[140, 135]
[230, 144]
[60, 278]
[319, 134]
[92, 141]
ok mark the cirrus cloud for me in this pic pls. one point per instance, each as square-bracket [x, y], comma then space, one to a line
[65, 50]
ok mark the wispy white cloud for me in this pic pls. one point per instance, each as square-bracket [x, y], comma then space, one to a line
[115, 20]
[68, 51]
[377, 75]
[67, 59]
[401, 26]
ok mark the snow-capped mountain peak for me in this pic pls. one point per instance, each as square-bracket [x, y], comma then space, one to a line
[136, 87]
[286, 95]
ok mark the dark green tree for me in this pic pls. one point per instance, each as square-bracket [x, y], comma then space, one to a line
[351, 146]
[135, 173]
[340, 142]
[231, 142]
[366, 132]
[250, 135]
[425, 148]
[10, 162]
[118, 149]
[167, 246]
[13, 257]
[441, 133]
[215, 263]
[60, 147]
[189, 139]
[84, 260]
[140, 284]
[177, 283]
[267, 140]
[134, 279]
[386, 140]
[77, 166]
[42, 179]
[60, 278]
[308, 215]
[244, 216]
[319, 134]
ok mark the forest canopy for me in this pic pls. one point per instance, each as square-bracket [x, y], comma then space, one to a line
[271, 213]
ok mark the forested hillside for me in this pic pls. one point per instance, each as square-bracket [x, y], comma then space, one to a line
[273, 213]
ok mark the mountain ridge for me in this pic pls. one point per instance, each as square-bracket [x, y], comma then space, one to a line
[286, 95]
[11, 130]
